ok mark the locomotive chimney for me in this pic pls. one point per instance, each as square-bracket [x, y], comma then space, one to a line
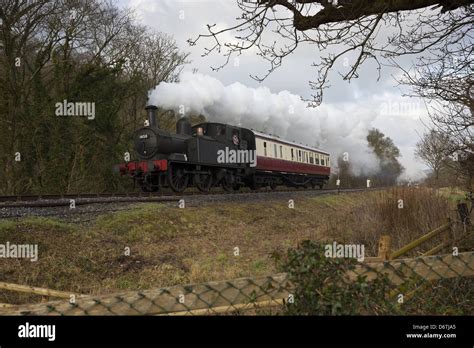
[183, 126]
[151, 111]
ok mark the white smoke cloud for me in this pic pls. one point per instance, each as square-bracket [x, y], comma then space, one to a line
[335, 129]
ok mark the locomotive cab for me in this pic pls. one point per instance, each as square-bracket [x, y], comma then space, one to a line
[232, 136]
[210, 138]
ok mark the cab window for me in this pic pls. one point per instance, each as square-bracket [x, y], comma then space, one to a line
[220, 130]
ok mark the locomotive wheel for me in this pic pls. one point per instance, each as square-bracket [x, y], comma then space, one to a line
[146, 188]
[203, 182]
[177, 178]
[227, 183]
[253, 184]
[227, 187]
[254, 187]
[150, 184]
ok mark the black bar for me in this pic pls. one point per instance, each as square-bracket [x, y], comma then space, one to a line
[260, 330]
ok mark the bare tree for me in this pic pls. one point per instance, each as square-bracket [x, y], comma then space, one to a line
[432, 149]
[157, 54]
[340, 28]
[445, 80]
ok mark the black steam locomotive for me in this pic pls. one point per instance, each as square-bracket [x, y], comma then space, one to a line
[216, 154]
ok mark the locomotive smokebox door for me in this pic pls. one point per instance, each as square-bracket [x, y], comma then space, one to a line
[146, 142]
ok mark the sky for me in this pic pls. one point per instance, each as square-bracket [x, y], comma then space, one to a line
[363, 103]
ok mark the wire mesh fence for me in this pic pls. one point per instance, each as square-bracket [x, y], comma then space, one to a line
[423, 285]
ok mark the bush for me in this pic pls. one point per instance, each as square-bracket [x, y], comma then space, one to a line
[322, 287]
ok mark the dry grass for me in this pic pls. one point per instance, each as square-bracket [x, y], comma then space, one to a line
[402, 213]
[174, 246]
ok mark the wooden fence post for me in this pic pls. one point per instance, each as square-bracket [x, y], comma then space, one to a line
[448, 238]
[385, 244]
[463, 212]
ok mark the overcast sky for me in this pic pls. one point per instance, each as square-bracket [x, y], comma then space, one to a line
[377, 100]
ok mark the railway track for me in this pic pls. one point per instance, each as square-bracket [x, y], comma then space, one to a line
[52, 197]
[52, 200]
[58, 201]
[90, 206]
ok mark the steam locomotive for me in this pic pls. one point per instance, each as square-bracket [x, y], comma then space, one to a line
[214, 154]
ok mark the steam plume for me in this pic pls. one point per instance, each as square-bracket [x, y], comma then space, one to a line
[334, 129]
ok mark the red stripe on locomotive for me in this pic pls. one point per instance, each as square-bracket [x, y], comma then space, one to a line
[143, 166]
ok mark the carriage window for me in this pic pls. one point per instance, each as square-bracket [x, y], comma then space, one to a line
[281, 151]
[275, 150]
[265, 148]
[311, 159]
[292, 155]
[220, 130]
[322, 161]
[306, 157]
[299, 155]
[317, 159]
